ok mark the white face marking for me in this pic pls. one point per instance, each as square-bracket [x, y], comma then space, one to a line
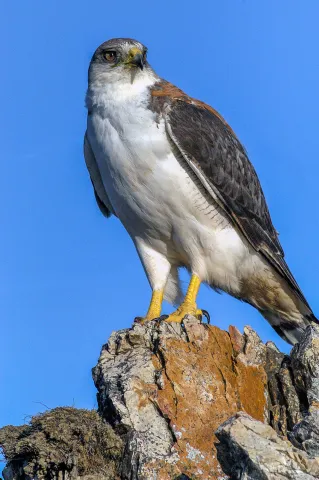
[119, 90]
[118, 82]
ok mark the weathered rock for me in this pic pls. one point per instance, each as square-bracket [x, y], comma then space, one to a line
[163, 390]
[169, 386]
[277, 416]
[305, 367]
[305, 434]
[251, 450]
[254, 351]
[64, 443]
[304, 362]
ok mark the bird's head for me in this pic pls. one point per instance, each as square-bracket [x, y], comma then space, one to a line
[119, 59]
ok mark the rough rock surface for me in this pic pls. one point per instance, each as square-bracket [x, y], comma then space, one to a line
[169, 387]
[163, 390]
[251, 450]
[305, 367]
[63, 443]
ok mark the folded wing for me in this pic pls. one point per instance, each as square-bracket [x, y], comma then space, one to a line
[214, 153]
[96, 179]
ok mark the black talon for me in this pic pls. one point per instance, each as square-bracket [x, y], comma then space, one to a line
[163, 317]
[138, 319]
[206, 314]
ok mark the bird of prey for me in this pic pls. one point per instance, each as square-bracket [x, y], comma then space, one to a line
[177, 177]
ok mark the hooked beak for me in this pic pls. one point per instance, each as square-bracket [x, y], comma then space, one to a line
[135, 58]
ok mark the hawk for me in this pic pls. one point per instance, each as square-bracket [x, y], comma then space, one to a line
[177, 177]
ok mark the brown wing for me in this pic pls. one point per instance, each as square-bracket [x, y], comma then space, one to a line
[99, 190]
[214, 153]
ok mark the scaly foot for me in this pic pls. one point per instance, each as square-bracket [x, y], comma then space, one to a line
[185, 309]
[154, 310]
[188, 307]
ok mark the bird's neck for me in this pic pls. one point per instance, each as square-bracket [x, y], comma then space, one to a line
[103, 94]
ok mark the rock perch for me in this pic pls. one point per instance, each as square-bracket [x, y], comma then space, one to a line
[192, 402]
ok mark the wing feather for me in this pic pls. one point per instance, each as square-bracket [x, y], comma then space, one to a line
[219, 160]
[96, 179]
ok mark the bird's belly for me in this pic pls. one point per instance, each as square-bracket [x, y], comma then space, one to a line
[160, 200]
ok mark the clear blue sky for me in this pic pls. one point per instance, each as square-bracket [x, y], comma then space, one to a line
[69, 276]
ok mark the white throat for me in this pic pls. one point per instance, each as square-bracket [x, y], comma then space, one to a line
[125, 90]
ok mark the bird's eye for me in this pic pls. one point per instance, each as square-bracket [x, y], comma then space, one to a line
[110, 57]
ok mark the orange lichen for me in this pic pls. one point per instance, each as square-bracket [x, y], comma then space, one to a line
[201, 385]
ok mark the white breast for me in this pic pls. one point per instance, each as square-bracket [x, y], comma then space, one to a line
[133, 153]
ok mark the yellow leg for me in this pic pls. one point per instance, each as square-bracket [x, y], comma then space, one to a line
[189, 304]
[154, 310]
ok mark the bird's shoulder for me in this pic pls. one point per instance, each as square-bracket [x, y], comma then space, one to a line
[209, 144]
[165, 95]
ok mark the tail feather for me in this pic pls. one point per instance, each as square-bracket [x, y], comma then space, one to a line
[314, 319]
[291, 330]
